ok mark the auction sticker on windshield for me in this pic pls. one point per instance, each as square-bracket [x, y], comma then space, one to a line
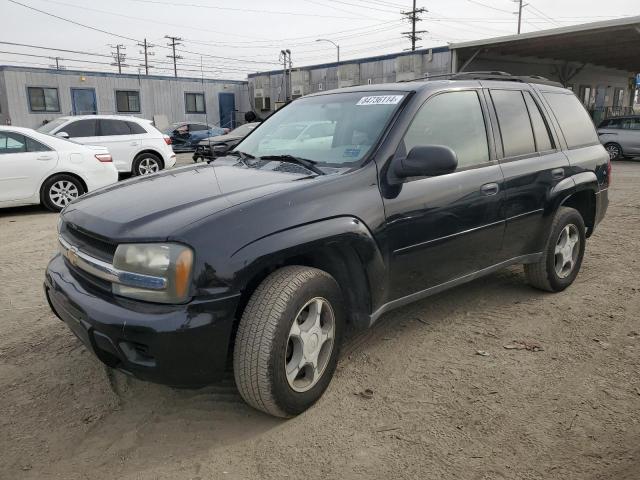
[380, 100]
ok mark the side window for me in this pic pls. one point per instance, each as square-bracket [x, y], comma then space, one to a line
[11, 142]
[635, 124]
[453, 119]
[109, 128]
[43, 99]
[575, 122]
[515, 126]
[614, 123]
[136, 129]
[35, 146]
[81, 128]
[540, 127]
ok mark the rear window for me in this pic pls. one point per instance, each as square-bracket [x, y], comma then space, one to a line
[575, 122]
[136, 129]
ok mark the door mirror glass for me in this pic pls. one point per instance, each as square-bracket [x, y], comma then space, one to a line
[427, 161]
[62, 135]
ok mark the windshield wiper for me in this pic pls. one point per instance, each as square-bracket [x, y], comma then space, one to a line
[236, 153]
[305, 162]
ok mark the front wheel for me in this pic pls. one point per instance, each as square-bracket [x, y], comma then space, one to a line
[287, 344]
[562, 258]
[146, 163]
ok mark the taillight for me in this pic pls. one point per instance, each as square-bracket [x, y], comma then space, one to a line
[104, 157]
[167, 139]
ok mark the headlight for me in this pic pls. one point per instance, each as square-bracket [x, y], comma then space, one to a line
[169, 264]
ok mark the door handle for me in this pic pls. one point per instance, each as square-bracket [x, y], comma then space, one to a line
[490, 189]
[557, 173]
[44, 157]
[134, 143]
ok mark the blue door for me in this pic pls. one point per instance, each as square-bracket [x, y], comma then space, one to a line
[83, 101]
[227, 105]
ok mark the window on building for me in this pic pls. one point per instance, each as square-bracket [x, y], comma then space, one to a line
[194, 102]
[575, 122]
[81, 128]
[453, 119]
[618, 97]
[43, 99]
[513, 119]
[128, 101]
[540, 127]
[584, 94]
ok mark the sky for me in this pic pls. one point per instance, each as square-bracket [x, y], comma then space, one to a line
[224, 39]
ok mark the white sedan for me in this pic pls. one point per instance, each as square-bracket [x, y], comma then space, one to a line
[38, 168]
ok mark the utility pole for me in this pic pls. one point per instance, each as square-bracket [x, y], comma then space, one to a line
[145, 50]
[287, 65]
[118, 56]
[413, 17]
[519, 13]
[174, 41]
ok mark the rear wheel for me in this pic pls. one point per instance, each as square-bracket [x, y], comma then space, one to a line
[562, 258]
[614, 150]
[146, 163]
[59, 191]
[288, 339]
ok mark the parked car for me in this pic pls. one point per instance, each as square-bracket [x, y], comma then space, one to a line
[621, 136]
[37, 168]
[266, 255]
[185, 136]
[213, 147]
[135, 144]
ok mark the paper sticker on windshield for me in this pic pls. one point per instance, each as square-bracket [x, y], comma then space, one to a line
[380, 100]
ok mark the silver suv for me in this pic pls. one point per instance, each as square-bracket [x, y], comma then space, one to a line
[621, 136]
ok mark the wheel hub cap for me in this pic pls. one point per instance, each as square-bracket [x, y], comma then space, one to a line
[310, 344]
[567, 250]
[63, 192]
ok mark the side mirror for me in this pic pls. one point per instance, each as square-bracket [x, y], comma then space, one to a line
[62, 135]
[220, 149]
[427, 161]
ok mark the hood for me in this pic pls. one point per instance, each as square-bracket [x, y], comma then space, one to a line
[153, 207]
[222, 138]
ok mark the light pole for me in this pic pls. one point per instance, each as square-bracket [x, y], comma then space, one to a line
[332, 42]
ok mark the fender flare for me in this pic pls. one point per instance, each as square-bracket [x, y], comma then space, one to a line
[345, 233]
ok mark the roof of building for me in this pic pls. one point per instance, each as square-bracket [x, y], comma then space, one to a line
[18, 68]
[611, 43]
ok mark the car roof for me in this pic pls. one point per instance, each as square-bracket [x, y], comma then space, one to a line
[16, 129]
[104, 117]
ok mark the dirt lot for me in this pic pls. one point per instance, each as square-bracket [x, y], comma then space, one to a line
[439, 410]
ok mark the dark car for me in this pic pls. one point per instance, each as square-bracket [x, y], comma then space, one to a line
[621, 136]
[261, 258]
[185, 136]
[216, 146]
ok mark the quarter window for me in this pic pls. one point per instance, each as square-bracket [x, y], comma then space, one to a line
[43, 99]
[128, 101]
[195, 102]
[513, 119]
[35, 146]
[453, 119]
[136, 129]
[540, 128]
[575, 122]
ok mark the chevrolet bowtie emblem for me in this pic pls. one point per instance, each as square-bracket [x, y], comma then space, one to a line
[72, 256]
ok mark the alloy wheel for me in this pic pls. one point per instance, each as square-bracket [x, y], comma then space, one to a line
[309, 344]
[62, 193]
[614, 151]
[148, 165]
[567, 250]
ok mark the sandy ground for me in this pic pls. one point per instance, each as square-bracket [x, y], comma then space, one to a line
[439, 410]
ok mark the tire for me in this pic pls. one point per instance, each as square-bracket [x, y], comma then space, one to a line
[146, 163]
[59, 190]
[614, 150]
[266, 346]
[546, 273]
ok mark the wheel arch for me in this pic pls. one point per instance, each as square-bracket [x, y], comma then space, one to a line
[150, 151]
[342, 246]
[583, 198]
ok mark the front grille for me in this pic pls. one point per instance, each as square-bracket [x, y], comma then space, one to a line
[88, 242]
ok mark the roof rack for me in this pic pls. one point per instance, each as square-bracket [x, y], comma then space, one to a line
[493, 75]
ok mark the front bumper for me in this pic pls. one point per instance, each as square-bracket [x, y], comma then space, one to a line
[179, 345]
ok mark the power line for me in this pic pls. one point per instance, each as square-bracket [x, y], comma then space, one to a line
[145, 50]
[413, 17]
[489, 6]
[174, 41]
[118, 56]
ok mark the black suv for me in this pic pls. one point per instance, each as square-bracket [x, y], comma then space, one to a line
[261, 259]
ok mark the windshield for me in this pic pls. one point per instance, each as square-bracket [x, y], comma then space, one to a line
[51, 126]
[336, 129]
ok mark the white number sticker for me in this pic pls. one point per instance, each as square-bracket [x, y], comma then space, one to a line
[380, 100]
